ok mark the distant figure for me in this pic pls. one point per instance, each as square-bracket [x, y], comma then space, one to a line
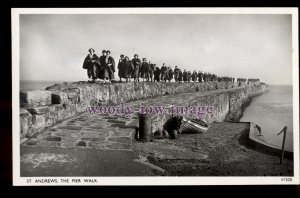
[184, 75]
[180, 75]
[144, 70]
[157, 74]
[128, 69]
[111, 66]
[91, 64]
[103, 72]
[121, 68]
[194, 76]
[136, 66]
[163, 71]
[200, 75]
[189, 75]
[170, 74]
[176, 73]
[151, 71]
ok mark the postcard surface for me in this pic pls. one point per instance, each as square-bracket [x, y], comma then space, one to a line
[155, 96]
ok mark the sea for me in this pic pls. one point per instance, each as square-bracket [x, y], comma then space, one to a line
[272, 111]
[30, 84]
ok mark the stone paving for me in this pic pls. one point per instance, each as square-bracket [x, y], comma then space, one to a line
[87, 131]
[103, 131]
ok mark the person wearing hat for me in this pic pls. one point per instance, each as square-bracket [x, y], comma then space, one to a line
[111, 66]
[103, 71]
[144, 70]
[91, 64]
[121, 68]
[128, 69]
[136, 66]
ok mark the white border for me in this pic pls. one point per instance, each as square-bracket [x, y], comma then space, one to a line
[22, 181]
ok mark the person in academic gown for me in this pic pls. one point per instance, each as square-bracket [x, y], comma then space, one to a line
[91, 64]
[103, 71]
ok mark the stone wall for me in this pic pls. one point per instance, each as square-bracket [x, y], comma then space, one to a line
[43, 108]
[228, 105]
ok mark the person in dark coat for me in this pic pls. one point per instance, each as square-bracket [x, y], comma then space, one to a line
[157, 74]
[176, 72]
[103, 71]
[144, 70]
[170, 74]
[111, 66]
[200, 76]
[194, 76]
[128, 69]
[163, 71]
[136, 66]
[189, 75]
[121, 68]
[180, 75]
[184, 75]
[151, 71]
[91, 64]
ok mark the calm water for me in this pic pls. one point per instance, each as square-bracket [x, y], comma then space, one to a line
[29, 84]
[272, 111]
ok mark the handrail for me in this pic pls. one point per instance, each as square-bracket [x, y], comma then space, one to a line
[283, 142]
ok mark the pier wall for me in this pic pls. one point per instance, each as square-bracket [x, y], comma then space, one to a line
[40, 109]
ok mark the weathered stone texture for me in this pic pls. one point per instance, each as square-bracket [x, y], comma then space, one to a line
[35, 98]
[43, 108]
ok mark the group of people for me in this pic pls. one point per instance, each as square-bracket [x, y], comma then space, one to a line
[103, 67]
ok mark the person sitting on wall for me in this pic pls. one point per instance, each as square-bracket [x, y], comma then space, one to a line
[91, 64]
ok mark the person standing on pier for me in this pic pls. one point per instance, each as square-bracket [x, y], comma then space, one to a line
[151, 71]
[200, 75]
[176, 73]
[194, 76]
[157, 74]
[189, 76]
[170, 74]
[184, 75]
[144, 70]
[111, 66]
[103, 71]
[136, 66]
[163, 71]
[179, 79]
[91, 64]
[128, 70]
[121, 68]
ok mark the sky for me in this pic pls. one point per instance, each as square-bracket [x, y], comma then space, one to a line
[53, 46]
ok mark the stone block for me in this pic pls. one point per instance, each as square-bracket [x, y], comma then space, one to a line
[35, 98]
[39, 110]
[25, 122]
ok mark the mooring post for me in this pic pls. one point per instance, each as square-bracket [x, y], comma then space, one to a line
[145, 127]
[283, 142]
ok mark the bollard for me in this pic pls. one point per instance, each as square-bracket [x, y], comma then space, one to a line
[145, 128]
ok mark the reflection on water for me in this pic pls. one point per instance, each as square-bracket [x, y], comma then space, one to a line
[272, 111]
